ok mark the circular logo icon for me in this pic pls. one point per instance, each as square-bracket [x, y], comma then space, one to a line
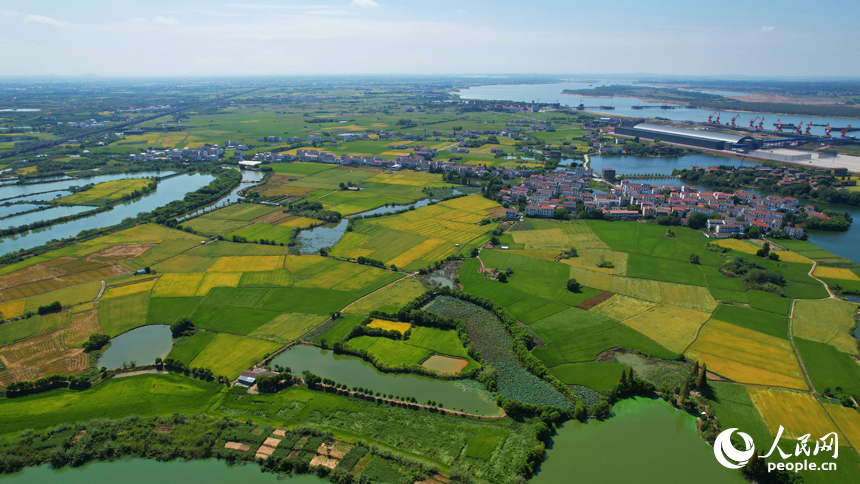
[725, 452]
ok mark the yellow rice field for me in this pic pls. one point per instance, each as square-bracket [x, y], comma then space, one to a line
[620, 307]
[178, 285]
[419, 251]
[671, 326]
[112, 190]
[835, 273]
[301, 222]
[12, 309]
[825, 321]
[218, 279]
[144, 286]
[789, 256]
[747, 356]
[295, 263]
[390, 325]
[247, 263]
[848, 421]
[738, 245]
[798, 413]
[287, 327]
[409, 178]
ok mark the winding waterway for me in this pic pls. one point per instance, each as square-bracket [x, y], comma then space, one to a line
[354, 371]
[168, 190]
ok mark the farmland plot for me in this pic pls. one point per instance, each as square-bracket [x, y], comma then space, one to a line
[798, 413]
[671, 326]
[826, 321]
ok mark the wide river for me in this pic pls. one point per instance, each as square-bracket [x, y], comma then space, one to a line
[549, 93]
[168, 190]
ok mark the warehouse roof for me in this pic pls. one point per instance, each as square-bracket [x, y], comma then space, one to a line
[692, 133]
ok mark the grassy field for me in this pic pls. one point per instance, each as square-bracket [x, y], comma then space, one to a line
[275, 278]
[763, 322]
[69, 296]
[768, 301]
[166, 310]
[307, 301]
[826, 321]
[120, 314]
[620, 307]
[747, 356]
[105, 192]
[829, 368]
[219, 279]
[575, 335]
[230, 355]
[341, 330]
[188, 349]
[390, 352]
[733, 407]
[444, 342]
[597, 375]
[388, 299]
[287, 327]
[228, 319]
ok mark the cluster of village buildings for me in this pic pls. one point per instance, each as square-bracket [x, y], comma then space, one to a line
[565, 189]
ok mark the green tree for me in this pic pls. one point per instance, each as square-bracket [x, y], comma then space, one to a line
[697, 220]
[181, 327]
[503, 277]
[694, 259]
[573, 286]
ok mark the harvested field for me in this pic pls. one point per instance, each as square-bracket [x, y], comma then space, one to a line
[848, 421]
[620, 307]
[237, 446]
[747, 356]
[321, 460]
[594, 301]
[390, 325]
[671, 326]
[798, 413]
[12, 309]
[122, 252]
[826, 321]
[230, 355]
[589, 259]
[184, 263]
[738, 245]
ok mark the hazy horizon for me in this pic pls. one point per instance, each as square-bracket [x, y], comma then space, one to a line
[158, 38]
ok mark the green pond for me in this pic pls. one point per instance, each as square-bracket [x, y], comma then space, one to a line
[645, 441]
[353, 371]
[142, 345]
[139, 471]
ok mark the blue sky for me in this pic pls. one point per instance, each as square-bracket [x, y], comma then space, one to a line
[236, 37]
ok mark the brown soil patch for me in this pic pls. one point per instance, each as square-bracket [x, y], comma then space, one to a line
[280, 432]
[293, 454]
[257, 432]
[590, 303]
[337, 450]
[123, 252]
[24, 276]
[164, 429]
[270, 442]
[78, 437]
[321, 460]
[496, 212]
[237, 446]
[264, 452]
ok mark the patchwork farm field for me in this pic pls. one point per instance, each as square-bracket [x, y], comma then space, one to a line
[105, 192]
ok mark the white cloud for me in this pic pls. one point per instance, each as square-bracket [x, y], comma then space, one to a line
[136, 20]
[363, 3]
[768, 28]
[8, 13]
[38, 19]
[165, 20]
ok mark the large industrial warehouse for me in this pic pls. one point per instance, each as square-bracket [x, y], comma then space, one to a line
[689, 137]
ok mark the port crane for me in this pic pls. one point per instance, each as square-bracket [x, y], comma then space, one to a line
[845, 130]
[808, 127]
[733, 120]
[798, 128]
[752, 122]
[760, 123]
[718, 118]
[711, 117]
[779, 126]
[827, 131]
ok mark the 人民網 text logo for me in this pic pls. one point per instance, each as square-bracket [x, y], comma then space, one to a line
[733, 458]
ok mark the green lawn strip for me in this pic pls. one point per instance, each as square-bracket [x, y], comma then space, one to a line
[829, 368]
[143, 395]
[597, 375]
[261, 231]
[770, 302]
[307, 300]
[236, 297]
[727, 296]
[761, 321]
[166, 310]
[120, 314]
[187, 350]
[276, 278]
[733, 408]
